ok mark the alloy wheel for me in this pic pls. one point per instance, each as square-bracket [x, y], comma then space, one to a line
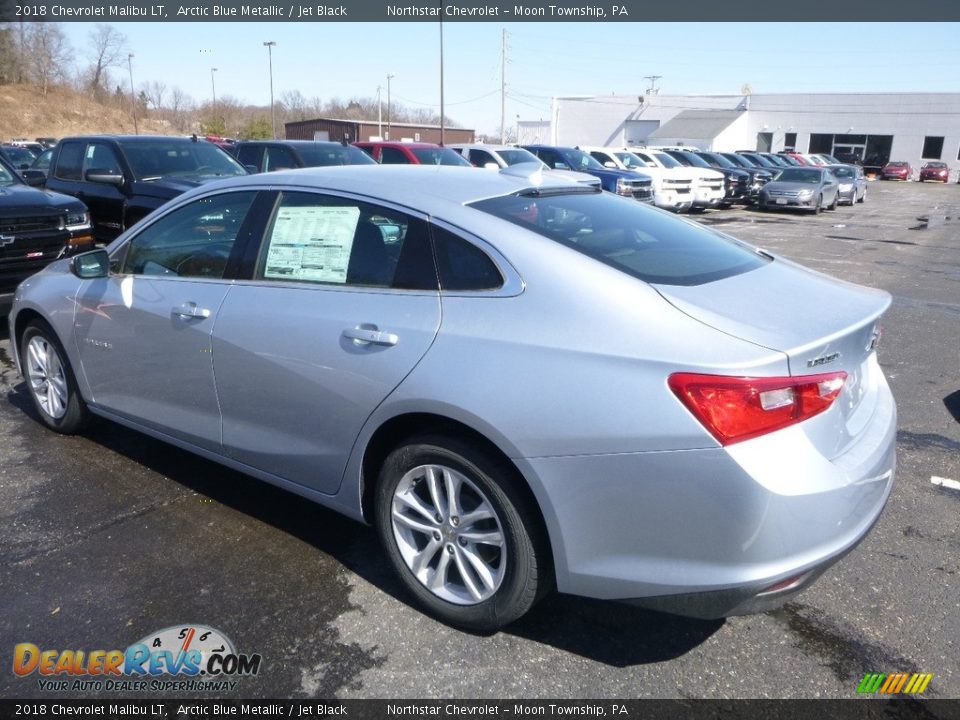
[48, 381]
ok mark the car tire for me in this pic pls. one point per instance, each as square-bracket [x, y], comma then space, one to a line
[50, 380]
[478, 574]
[863, 197]
[819, 206]
[836, 201]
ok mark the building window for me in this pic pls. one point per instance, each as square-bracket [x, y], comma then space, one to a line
[932, 148]
[789, 141]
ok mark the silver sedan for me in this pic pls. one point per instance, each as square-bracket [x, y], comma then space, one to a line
[806, 188]
[853, 184]
[522, 382]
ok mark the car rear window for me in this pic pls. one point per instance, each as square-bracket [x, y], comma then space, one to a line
[643, 242]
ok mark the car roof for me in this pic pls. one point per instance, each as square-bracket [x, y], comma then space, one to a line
[302, 143]
[425, 188]
[395, 143]
[137, 138]
[483, 146]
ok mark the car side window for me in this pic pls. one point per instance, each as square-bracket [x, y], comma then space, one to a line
[392, 156]
[192, 241]
[462, 265]
[479, 158]
[249, 155]
[70, 161]
[319, 238]
[553, 159]
[279, 158]
[101, 157]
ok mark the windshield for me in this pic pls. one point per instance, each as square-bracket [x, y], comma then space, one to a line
[517, 156]
[800, 175]
[7, 177]
[718, 159]
[153, 160]
[739, 161]
[579, 160]
[936, 165]
[897, 164]
[19, 155]
[666, 160]
[323, 155]
[844, 172]
[694, 160]
[438, 156]
[630, 161]
[642, 242]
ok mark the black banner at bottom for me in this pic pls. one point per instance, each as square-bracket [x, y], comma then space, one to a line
[859, 709]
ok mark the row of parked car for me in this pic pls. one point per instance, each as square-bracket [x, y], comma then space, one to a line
[107, 183]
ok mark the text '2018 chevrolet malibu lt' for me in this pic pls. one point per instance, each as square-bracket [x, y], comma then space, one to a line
[522, 382]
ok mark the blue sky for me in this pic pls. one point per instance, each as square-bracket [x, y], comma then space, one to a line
[545, 59]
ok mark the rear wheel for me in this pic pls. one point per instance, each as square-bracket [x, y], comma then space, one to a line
[459, 535]
[50, 379]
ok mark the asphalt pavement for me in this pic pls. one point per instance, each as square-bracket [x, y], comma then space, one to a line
[109, 537]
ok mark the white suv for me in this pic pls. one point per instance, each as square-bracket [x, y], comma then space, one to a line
[708, 190]
[672, 187]
[496, 157]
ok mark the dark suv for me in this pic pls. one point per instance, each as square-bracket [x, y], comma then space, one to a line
[266, 155]
[123, 178]
[36, 228]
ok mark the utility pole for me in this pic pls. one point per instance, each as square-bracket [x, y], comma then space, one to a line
[441, 81]
[379, 115]
[652, 90]
[503, 87]
[133, 97]
[273, 116]
[389, 77]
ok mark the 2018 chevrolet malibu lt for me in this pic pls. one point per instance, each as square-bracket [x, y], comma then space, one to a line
[522, 382]
[804, 188]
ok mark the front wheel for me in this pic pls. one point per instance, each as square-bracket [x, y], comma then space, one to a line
[836, 201]
[458, 533]
[819, 206]
[50, 380]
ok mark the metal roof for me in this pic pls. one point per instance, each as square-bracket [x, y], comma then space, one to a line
[696, 124]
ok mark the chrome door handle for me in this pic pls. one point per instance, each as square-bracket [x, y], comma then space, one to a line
[190, 310]
[370, 336]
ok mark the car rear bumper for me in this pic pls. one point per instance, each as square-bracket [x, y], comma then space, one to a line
[713, 532]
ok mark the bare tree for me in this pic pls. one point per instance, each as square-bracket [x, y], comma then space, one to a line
[48, 54]
[155, 92]
[107, 48]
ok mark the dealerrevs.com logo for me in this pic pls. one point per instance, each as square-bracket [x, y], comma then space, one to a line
[180, 658]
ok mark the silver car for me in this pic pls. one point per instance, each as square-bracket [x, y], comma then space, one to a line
[805, 188]
[523, 383]
[853, 184]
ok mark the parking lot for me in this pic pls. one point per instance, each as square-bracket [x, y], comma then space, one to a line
[111, 536]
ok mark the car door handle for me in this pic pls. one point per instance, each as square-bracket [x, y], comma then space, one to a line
[370, 336]
[190, 310]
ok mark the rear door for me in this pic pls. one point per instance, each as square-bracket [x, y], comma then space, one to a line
[342, 304]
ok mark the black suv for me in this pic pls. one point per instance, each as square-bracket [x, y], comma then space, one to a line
[36, 228]
[266, 155]
[123, 178]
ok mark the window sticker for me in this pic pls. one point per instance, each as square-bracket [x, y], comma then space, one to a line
[311, 244]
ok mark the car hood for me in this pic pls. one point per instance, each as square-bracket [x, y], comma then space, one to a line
[783, 306]
[23, 197]
[785, 186]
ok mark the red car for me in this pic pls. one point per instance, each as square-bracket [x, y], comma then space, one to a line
[936, 171]
[896, 171]
[411, 153]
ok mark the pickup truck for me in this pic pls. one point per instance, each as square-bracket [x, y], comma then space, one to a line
[36, 228]
[123, 178]
[672, 187]
[622, 182]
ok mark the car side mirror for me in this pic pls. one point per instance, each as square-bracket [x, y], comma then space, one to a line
[34, 178]
[491, 166]
[252, 169]
[90, 265]
[610, 164]
[104, 175]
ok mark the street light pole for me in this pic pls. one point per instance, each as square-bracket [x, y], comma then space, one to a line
[441, 81]
[379, 115]
[390, 76]
[133, 97]
[269, 44]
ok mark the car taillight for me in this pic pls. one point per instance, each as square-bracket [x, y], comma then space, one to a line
[734, 409]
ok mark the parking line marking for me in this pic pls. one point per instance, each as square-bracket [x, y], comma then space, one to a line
[944, 482]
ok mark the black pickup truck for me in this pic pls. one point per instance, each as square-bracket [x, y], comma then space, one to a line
[123, 178]
[36, 228]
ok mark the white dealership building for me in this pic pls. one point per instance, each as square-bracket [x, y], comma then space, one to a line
[915, 127]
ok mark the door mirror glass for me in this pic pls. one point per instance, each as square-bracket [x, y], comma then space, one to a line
[89, 265]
